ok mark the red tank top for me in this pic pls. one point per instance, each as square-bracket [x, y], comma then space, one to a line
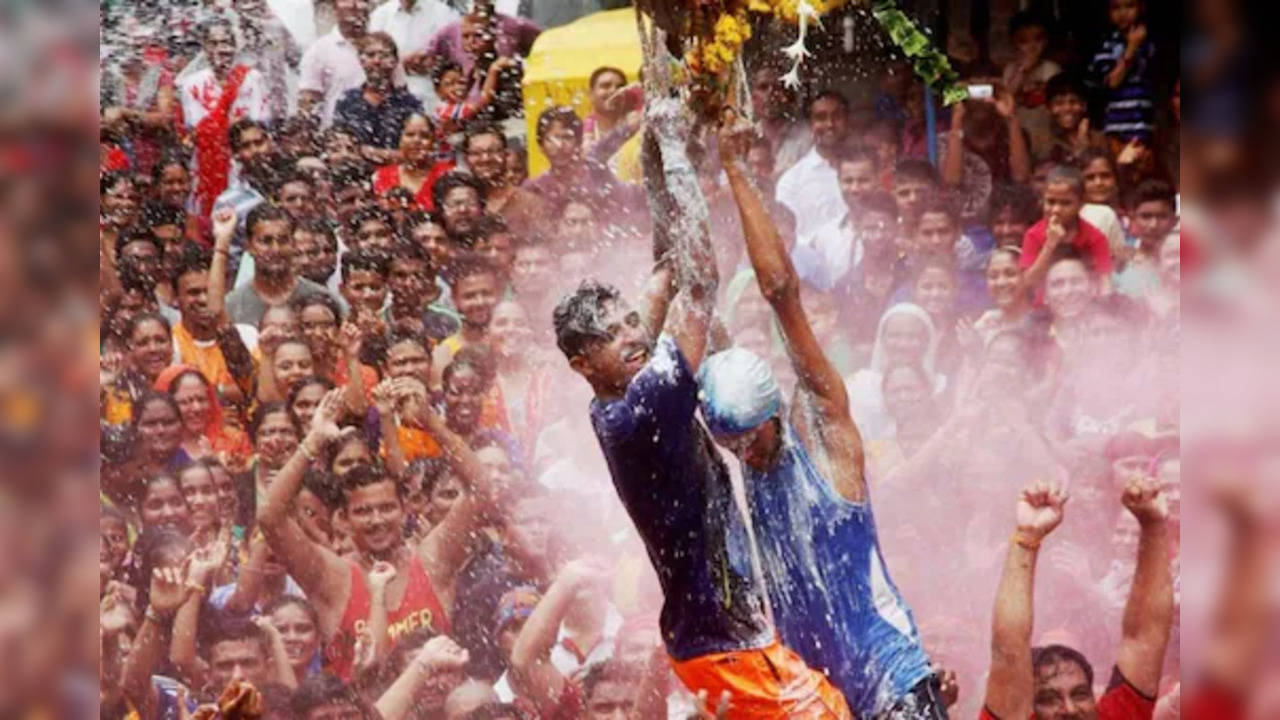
[419, 608]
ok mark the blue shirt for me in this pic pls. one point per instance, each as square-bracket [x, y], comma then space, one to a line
[832, 598]
[677, 492]
[1130, 109]
[377, 125]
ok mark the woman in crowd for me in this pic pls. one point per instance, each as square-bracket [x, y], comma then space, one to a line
[418, 166]
[161, 504]
[1007, 291]
[934, 290]
[149, 351]
[906, 335]
[299, 627]
[305, 397]
[522, 373]
[204, 433]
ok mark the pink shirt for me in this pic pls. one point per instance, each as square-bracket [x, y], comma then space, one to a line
[515, 37]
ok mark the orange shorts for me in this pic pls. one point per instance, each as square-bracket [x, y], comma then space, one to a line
[772, 682]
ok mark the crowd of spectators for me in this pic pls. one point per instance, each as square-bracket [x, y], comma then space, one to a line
[345, 474]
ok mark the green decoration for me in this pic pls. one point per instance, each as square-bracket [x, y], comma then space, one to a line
[929, 62]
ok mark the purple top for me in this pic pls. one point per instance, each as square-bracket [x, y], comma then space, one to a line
[515, 37]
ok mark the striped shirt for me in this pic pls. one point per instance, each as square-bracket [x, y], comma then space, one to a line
[1130, 109]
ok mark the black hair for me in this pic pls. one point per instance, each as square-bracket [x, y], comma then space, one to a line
[132, 235]
[240, 127]
[140, 318]
[384, 344]
[264, 410]
[364, 260]
[109, 179]
[1054, 654]
[1065, 83]
[158, 215]
[1069, 252]
[1025, 19]
[603, 69]
[941, 206]
[266, 212]
[611, 670]
[469, 265]
[324, 485]
[172, 155]
[1067, 175]
[380, 38]
[443, 69]
[192, 259]
[289, 177]
[207, 27]
[153, 396]
[479, 129]
[1153, 190]
[349, 172]
[491, 224]
[364, 474]
[220, 626]
[558, 114]
[318, 227]
[405, 249]
[287, 600]
[1018, 199]
[307, 300]
[913, 169]
[151, 543]
[1094, 153]
[433, 470]
[576, 317]
[371, 214]
[856, 154]
[452, 181]
[495, 711]
[324, 689]
[297, 389]
[476, 358]
[827, 94]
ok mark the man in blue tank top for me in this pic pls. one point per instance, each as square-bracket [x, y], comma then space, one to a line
[831, 596]
[665, 468]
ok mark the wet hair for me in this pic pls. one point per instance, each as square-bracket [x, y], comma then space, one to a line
[912, 169]
[288, 178]
[266, 212]
[364, 474]
[558, 114]
[319, 228]
[469, 265]
[1153, 190]
[297, 389]
[153, 396]
[237, 130]
[287, 600]
[576, 317]
[153, 542]
[432, 469]
[158, 215]
[1065, 83]
[264, 410]
[307, 300]
[371, 214]
[324, 689]
[405, 249]
[1018, 199]
[1070, 253]
[443, 69]
[452, 181]
[604, 70]
[348, 172]
[366, 261]
[1066, 175]
[140, 318]
[473, 357]
[827, 94]
[378, 38]
[173, 155]
[479, 129]
[1026, 19]
[221, 626]
[193, 259]
[1054, 654]
[110, 179]
[610, 670]
[323, 485]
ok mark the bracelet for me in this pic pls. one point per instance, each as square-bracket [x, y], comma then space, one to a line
[195, 589]
[1025, 541]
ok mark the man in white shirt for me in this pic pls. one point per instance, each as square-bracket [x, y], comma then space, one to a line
[835, 240]
[811, 188]
[331, 66]
[411, 23]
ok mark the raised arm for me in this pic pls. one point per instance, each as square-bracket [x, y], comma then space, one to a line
[1148, 613]
[202, 569]
[168, 593]
[439, 655]
[533, 676]
[1010, 683]
[694, 259]
[353, 393]
[321, 573]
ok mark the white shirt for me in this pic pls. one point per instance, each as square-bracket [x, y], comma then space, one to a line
[811, 190]
[331, 66]
[299, 19]
[836, 245]
[411, 29]
[200, 92]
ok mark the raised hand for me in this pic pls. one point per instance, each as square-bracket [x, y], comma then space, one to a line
[1080, 141]
[734, 137]
[1144, 498]
[168, 591]
[948, 685]
[381, 575]
[442, 654]
[204, 563]
[1132, 153]
[384, 397]
[351, 338]
[269, 339]
[1040, 510]
[1005, 104]
[1054, 234]
[115, 612]
[1136, 36]
[224, 225]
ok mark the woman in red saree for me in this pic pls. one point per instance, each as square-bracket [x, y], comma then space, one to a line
[418, 168]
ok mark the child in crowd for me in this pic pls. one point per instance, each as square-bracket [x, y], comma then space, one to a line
[1070, 131]
[455, 107]
[1152, 216]
[1122, 69]
[1027, 74]
[1062, 225]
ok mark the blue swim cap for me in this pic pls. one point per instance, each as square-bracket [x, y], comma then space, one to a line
[737, 392]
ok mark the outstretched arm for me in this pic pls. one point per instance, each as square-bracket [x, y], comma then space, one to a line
[1010, 683]
[694, 259]
[532, 674]
[1148, 613]
[439, 655]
